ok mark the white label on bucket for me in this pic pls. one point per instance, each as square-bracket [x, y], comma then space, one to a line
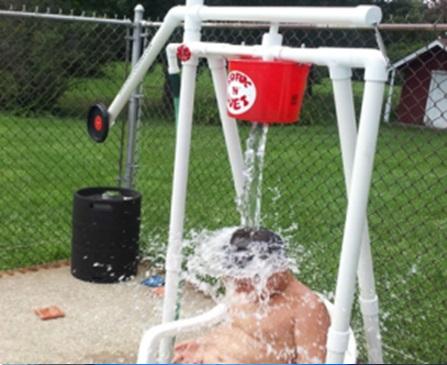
[241, 92]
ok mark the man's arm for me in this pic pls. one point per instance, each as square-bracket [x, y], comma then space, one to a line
[310, 333]
[186, 352]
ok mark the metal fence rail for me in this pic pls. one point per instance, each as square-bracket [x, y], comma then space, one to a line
[53, 66]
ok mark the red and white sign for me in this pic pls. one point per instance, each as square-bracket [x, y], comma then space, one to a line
[241, 92]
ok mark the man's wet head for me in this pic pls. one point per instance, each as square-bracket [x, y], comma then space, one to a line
[246, 243]
[249, 252]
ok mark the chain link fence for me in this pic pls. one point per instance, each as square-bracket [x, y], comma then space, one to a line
[52, 68]
[50, 71]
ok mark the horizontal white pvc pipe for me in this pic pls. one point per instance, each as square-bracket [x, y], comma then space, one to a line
[147, 353]
[371, 60]
[363, 15]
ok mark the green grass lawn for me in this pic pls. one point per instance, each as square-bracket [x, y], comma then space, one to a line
[44, 159]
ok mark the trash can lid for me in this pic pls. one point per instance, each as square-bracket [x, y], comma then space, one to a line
[108, 194]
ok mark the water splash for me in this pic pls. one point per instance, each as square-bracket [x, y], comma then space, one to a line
[207, 265]
[249, 204]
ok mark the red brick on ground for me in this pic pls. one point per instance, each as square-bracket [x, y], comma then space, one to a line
[51, 312]
[159, 291]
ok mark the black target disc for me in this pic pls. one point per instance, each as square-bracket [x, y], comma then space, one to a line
[98, 122]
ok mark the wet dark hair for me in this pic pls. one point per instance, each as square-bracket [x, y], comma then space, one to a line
[246, 242]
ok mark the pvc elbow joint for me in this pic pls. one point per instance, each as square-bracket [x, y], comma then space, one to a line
[371, 14]
[376, 68]
[171, 55]
[176, 14]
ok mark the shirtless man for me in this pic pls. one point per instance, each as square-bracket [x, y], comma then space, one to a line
[281, 322]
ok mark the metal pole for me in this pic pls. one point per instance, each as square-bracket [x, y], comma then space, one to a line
[389, 100]
[134, 101]
[344, 103]
[64, 17]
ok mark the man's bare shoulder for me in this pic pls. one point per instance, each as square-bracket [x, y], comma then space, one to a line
[306, 298]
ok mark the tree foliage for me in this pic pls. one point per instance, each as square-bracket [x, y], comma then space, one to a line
[58, 51]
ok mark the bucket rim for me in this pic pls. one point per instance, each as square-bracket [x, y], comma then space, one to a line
[258, 60]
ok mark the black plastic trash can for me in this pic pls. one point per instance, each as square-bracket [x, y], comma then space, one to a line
[106, 227]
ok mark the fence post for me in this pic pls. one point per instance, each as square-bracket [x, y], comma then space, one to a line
[134, 101]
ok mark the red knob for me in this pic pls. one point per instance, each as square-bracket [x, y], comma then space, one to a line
[183, 53]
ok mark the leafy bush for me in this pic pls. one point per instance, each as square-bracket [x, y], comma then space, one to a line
[9, 89]
[39, 58]
[33, 60]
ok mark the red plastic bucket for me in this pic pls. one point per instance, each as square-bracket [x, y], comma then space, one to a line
[266, 91]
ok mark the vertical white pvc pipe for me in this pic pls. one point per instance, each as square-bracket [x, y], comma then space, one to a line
[355, 220]
[192, 33]
[344, 105]
[231, 134]
[346, 120]
[178, 200]
[369, 302]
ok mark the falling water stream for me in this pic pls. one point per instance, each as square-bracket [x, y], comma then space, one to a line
[249, 204]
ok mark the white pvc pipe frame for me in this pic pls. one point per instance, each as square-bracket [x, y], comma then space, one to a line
[339, 62]
[355, 244]
[194, 13]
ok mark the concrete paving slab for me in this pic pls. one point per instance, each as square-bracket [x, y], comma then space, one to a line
[103, 323]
